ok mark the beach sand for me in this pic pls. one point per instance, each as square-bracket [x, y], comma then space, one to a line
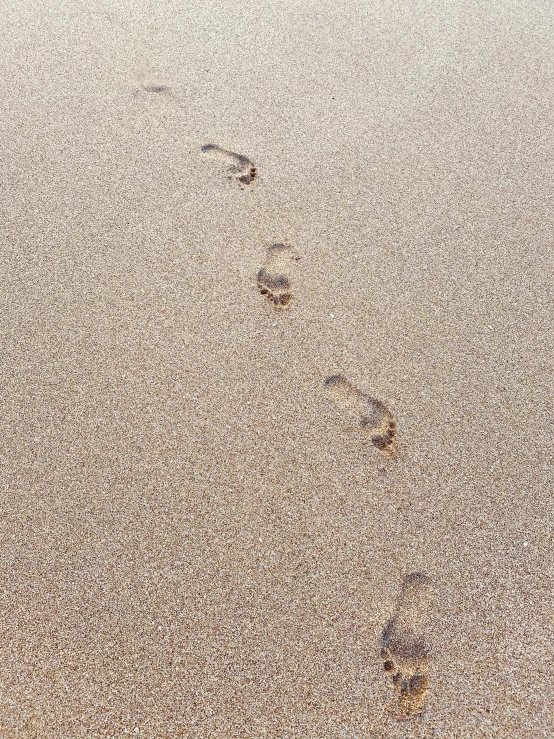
[199, 537]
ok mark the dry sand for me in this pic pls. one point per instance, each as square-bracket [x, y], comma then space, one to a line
[196, 540]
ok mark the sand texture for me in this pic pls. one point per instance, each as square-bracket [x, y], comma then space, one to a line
[276, 369]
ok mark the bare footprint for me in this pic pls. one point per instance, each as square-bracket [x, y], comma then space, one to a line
[152, 86]
[155, 87]
[363, 412]
[239, 167]
[273, 281]
[404, 647]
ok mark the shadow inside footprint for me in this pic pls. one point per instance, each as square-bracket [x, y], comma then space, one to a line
[365, 413]
[405, 650]
[273, 282]
[239, 168]
[155, 88]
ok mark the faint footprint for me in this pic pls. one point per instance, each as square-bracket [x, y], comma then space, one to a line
[405, 650]
[150, 83]
[364, 412]
[239, 167]
[156, 88]
[273, 281]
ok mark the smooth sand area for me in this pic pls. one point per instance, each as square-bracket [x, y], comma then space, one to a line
[199, 536]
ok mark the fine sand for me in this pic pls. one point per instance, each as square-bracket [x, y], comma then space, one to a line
[276, 343]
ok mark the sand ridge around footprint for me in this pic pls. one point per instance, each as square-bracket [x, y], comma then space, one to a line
[364, 413]
[239, 168]
[273, 280]
[405, 650]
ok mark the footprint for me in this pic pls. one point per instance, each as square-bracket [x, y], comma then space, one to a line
[272, 279]
[155, 87]
[150, 84]
[364, 412]
[152, 89]
[239, 167]
[405, 650]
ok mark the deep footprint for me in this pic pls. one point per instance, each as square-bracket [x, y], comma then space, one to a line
[273, 281]
[239, 168]
[405, 651]
[364, 413]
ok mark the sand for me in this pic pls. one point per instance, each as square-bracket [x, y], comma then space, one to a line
[197, 541]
